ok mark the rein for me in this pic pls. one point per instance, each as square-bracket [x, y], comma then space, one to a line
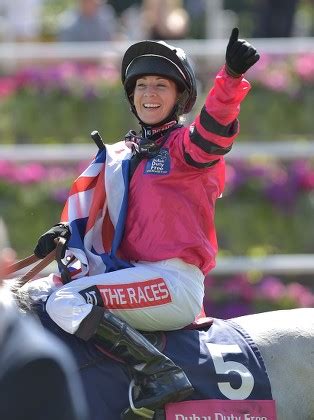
[41, 263]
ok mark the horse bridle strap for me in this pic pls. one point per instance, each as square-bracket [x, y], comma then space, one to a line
[19, 265]
[38, 267]
[42, 263]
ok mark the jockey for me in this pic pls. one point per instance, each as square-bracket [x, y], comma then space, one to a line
[176, 173]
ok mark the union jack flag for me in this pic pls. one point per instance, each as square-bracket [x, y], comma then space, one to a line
[96, 210]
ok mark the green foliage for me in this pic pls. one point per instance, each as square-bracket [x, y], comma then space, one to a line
[249, 224]
[58, 117]
[28, 212]
[271, 116]
[31, 116]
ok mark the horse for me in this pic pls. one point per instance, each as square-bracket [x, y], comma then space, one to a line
[283, 340]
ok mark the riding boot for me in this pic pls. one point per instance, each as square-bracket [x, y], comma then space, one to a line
[160, 380]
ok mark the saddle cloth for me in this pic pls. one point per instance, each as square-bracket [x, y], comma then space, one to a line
[221, 361]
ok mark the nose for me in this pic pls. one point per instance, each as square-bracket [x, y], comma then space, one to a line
[150, 90]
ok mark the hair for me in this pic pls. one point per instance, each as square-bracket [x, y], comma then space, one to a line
[183, 97]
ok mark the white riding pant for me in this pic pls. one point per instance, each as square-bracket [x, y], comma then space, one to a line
[151, 296]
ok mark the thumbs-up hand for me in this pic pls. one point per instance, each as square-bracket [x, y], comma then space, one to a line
[240, 55]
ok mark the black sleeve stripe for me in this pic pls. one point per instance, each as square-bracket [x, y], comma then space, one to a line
[207, 146]
[198, 165]
[210, 124]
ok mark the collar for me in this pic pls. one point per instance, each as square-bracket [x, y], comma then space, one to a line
[153, 133]
[149, 142]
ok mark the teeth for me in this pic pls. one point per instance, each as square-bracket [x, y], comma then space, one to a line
[151, 106]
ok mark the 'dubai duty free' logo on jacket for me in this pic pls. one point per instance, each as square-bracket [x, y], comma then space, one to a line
[160, 164]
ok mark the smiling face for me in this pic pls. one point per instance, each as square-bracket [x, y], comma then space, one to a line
[154, 98]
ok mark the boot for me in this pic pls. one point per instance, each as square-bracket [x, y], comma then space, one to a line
[160, 380]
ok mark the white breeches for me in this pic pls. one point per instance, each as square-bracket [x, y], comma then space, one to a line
[151, 296]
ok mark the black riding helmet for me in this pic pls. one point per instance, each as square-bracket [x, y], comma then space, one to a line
[160, 58]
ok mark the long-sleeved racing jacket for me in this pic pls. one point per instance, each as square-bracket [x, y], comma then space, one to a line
[172, 196]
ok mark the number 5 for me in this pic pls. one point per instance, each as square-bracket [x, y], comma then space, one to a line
[224, 367]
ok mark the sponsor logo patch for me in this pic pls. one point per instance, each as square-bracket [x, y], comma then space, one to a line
[222, 410]
[135, 295]
[159, 165]
[91, 295]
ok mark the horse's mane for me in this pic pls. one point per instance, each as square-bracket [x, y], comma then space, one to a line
[12, 294]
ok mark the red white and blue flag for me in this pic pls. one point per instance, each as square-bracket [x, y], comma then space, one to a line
[96, 211]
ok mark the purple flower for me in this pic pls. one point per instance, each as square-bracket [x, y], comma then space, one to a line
[259, 170]
[241, 287]
[282, 189]
[236, 176]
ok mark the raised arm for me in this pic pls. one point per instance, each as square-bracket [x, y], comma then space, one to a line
[215, 128]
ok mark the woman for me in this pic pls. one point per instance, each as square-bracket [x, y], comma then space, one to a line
[154, 279]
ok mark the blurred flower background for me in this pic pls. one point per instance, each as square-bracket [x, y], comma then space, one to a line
[89, 95]
[240, 295]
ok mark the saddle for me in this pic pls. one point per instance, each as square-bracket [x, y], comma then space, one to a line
[158, 338]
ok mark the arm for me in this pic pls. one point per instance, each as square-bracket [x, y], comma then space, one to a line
[215, 128]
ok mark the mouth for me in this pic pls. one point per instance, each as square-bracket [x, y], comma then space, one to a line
[151, 106]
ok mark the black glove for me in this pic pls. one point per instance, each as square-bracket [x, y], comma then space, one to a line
[240, 55]
[46, 243]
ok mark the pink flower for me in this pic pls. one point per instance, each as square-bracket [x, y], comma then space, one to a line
[7, 86]
[58, 173]
[27, 174]
[277, 80]
[263, 64]
[271, 288]
[301, 294]
[304, 66]
[304, 174]
[6, 169]
[67, 70]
